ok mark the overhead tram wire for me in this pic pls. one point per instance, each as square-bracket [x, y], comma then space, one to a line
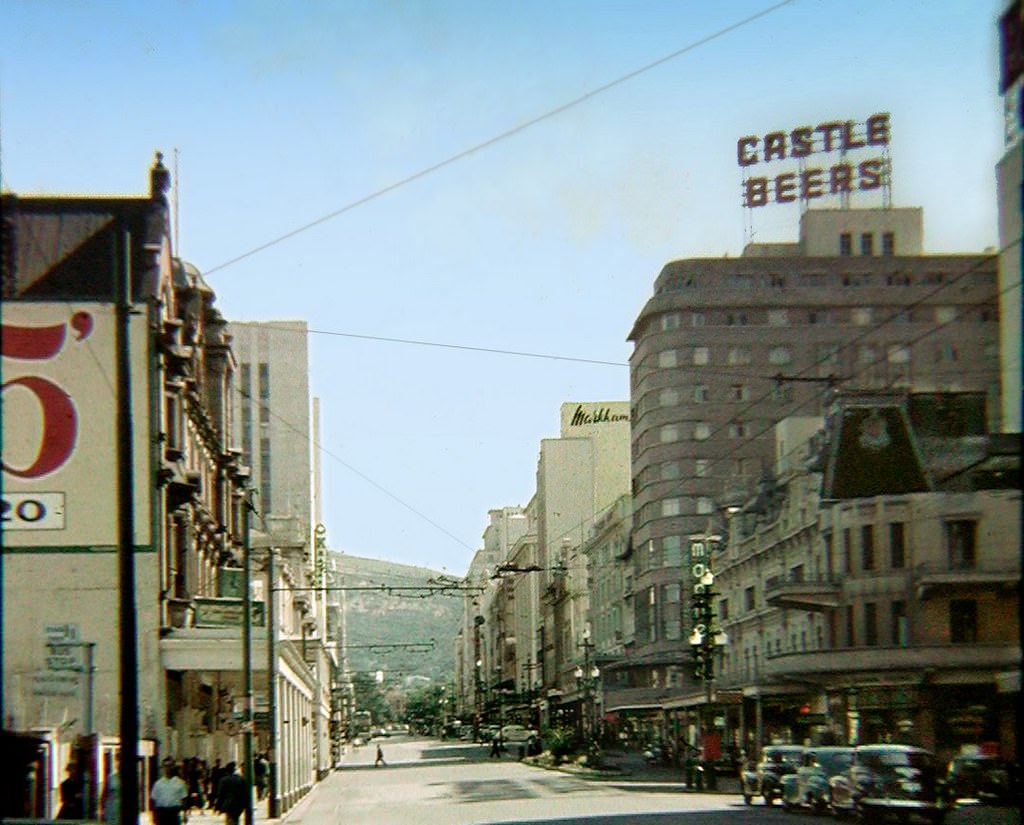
[503, 136]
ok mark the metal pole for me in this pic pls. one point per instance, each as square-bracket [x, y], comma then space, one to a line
[272, 802]
[129, 666]
[247, 658]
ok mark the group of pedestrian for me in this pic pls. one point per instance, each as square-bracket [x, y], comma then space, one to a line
[170, 796]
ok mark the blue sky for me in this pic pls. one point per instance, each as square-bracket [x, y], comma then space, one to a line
[547, 241]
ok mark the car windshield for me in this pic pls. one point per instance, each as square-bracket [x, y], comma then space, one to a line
[833, 762]
[789, 756]
[904, 763]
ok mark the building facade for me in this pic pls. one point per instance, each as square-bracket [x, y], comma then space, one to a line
[727, 347]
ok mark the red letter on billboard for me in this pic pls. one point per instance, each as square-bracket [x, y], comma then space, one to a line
[801, 142]
[755, 192]
[775, 146]
[871, 173]
[842, 174]
[811, 184]
[785, 187]
[746, 150]
[878, 129]
[60, 425]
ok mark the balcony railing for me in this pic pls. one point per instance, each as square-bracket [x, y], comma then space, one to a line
[933, 579]
[800, 593]
[918, 659]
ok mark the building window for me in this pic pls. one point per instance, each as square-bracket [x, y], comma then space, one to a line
[736, 319]
[264, 391]
[701, 394]
[897, 546]
[845, 243]
[700, 467]
[748, 599]
[701, 356]
[900, 629]
[668, 398]
[701, 431]
[819, 316]
[960, 543]
[945, 315]
[946, 353]
[671, 507]
[888, 243]
[829, 563]
[778, 317]
[963, 621]
[861, 316]
[705, 506]
[850, 634]
[697, 319]
[847, 551]
[669, 433]
[740, 392]
[672, 551]
[264, 502]
[667, 359]
[870, 624]
[899, 354]
[867, 547]
[670, 470]
[739, 356]
[670, 320]
[867, 243]
[723, 610]
[738, 429]
[780, 356]
[782, 393]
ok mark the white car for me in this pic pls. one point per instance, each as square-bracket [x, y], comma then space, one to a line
[516, 733]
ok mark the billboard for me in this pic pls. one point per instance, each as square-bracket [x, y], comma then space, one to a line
[59, 456]
[847, 171]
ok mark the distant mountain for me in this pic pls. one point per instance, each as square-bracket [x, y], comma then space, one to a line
[398, 617]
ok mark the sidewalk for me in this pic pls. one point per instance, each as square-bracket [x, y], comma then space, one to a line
[633, 768]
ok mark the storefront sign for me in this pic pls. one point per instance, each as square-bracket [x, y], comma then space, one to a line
[226, 613]
[809, 183]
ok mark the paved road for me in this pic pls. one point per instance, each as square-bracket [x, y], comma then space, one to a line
[455, 783]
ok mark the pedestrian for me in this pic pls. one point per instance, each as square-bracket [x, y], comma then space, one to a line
[496, 746]
[110, 796]
[71, 806]
[168, 795]
[213, 779]
[233, 796]
[380, 758]
[259, 775]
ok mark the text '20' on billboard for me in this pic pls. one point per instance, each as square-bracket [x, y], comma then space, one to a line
[59, 433]
[850, 172]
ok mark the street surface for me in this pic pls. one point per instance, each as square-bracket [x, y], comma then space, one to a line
[457, 783]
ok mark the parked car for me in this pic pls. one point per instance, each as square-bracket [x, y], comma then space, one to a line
[809, 786]
[765, 780]
[980, 779]
[513, 734]
[889, 780]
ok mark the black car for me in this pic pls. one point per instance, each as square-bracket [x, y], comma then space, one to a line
[884, 781]
[980, 779]
[766, 779]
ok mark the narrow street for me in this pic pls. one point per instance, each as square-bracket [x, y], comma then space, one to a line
[457, 783]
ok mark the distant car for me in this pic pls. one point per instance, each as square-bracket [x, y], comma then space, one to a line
[980, 779]
[766, 779]
[809, 786]
[512, 734]
[889, 780]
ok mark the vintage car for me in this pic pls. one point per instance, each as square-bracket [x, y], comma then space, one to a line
[809, 786]
[765, 779]
[889, 781]
[980, 779]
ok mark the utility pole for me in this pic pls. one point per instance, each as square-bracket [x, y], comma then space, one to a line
[272, 803]
[128, 653]
[247, 655]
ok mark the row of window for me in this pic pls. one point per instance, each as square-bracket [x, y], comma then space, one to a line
[858, 316]
[867, 243]
[682, 281]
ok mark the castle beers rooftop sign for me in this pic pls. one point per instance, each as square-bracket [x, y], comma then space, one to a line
[809, 183]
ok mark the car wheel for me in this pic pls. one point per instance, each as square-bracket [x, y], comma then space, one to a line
[747, 799]
[769, 799]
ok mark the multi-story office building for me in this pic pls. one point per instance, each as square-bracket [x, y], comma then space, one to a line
[728, 347]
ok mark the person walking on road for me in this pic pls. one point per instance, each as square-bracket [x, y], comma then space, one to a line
[380, 758]
[168, 795]
[233, 795]
[496, 747]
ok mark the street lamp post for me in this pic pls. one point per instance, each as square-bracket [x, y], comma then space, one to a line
[705, 640]
[586, 677]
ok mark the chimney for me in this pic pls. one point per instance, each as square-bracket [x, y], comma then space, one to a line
[159, 179]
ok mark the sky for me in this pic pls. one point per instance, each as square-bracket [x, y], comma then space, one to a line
[469, 202]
